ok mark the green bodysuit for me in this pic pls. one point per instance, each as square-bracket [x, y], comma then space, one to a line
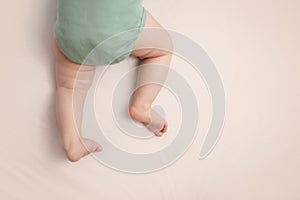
[82, 24]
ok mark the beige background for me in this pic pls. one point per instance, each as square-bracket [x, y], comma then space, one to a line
[255, 46]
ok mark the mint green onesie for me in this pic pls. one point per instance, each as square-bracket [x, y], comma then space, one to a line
[82, 24]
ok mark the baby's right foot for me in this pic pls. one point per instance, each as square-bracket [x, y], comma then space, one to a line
[150, 118]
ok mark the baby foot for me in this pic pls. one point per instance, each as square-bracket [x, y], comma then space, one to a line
[80, 148]
[151, 119]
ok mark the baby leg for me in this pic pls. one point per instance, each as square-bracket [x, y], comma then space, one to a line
[143, 97]
[67, 106]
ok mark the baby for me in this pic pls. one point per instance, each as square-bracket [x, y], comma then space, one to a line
[80, 26]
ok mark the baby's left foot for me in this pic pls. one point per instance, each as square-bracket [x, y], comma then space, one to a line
[81, 147]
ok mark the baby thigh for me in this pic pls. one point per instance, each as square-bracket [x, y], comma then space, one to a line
[154, 44]
[71, 75]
